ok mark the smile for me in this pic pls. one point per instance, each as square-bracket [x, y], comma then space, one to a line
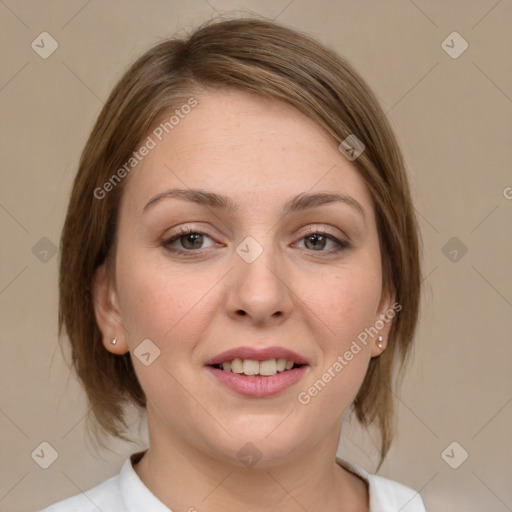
[252, 367]
[257, 372]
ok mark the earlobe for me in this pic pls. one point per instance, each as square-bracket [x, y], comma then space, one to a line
[379, 346]
[383, 321]
[107, 312]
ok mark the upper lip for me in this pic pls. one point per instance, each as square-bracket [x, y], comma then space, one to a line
[257, 354]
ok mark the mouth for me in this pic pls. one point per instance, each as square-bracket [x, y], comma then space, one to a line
[257, 373]
[252, 367]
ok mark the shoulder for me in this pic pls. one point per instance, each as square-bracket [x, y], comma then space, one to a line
[387, 495]
[105, 496]
[122, 493]
[390, 496]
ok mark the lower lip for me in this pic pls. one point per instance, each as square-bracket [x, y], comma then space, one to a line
[257, 386]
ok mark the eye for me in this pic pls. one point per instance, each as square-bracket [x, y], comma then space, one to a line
[189, 240]
[316, 240]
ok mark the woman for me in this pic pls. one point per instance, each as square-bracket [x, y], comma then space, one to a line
[240, 260]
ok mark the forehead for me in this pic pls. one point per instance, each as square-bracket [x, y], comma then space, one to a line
[248, 147]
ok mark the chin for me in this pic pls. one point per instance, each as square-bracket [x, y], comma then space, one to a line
[261, 446]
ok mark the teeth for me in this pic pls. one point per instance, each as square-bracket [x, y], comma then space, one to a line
[281, 365]
[252, 367]
[237, 366]
[268, 367]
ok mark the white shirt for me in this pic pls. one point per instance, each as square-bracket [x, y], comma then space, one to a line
[126, 492]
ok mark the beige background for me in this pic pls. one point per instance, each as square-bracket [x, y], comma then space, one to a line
[453, 118]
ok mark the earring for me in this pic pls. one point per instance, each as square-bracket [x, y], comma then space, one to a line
[379, 343]
[114, 341]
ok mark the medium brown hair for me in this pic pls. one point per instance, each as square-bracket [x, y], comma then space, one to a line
[264, 58]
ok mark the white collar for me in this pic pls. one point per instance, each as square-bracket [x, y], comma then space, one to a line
[384, 494]
[135, 495]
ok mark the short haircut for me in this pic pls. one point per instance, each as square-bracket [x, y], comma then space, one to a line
[273, 61]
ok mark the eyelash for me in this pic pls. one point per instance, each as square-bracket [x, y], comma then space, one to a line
[342, 245]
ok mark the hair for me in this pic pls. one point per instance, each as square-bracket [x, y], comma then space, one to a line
[264, 58]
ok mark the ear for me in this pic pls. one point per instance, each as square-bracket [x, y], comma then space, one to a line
[107, 312]
[386, 311]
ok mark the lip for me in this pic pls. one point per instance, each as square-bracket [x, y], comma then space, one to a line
[256, 386]
[257, 354]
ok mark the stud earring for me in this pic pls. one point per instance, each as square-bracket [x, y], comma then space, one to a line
[379, 343]
[114, 341]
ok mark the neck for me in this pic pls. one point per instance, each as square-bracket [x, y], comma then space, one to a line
[186, 478]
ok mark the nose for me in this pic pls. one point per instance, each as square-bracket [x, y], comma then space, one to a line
[259, 288]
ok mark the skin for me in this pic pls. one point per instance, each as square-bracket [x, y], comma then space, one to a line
[296, 294]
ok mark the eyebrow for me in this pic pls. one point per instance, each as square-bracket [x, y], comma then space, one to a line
[218, 201]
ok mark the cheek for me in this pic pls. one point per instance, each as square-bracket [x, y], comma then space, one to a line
[163, 303]
[349, 303]
[348, 311]
[170, 307]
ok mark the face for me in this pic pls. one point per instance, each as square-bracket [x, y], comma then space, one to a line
[209, 281]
